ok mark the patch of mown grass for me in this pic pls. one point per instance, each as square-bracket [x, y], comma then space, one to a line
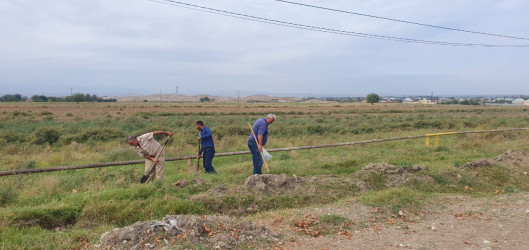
[135, 192]
[402, 197]
[343, 167]
[120, 213]
[48, 216]
[334, 220]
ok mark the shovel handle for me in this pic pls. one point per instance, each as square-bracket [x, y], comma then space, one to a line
[257, 142]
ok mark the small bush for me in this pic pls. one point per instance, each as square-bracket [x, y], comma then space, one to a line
[284, 157]
[31, 164]
[47, 135]
[7, 195]
[96, 135]
[10, 137]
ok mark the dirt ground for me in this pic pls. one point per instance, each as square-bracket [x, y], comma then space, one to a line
[499, 221]
[457, 223]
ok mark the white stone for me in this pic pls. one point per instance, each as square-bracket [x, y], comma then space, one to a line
[486, 242]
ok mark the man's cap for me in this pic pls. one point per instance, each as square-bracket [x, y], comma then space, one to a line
[131, 138]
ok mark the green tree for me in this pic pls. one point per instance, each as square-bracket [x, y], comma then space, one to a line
[39, 98]
[205, 99]
[12, 98]
[372, 98]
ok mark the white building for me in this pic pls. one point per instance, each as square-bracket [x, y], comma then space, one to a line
[518, 101]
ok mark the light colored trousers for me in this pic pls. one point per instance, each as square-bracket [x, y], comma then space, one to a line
[156, 170]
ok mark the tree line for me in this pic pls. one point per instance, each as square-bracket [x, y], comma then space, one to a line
[78, 97]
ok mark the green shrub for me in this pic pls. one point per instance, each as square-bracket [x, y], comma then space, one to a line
[11, 137]
[31, 164]
[7, 195]
[47, 135]
[284, 156]
[96, 135]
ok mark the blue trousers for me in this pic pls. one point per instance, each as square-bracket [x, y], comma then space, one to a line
[207, 156]
[256, 157]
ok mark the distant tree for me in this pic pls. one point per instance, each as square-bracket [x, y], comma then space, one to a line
[372, 98]
[12, 98]
[205, 99]
[39, 98]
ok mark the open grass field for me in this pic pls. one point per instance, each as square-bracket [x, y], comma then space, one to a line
[71, 209]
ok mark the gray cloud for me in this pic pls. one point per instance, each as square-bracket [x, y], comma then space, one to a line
[134, 47]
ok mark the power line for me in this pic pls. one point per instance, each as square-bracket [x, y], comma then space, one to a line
[321, 29]
[403, 21]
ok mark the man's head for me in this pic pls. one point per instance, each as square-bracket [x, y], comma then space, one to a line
[199, 125]
[270, 118]
[132, 140]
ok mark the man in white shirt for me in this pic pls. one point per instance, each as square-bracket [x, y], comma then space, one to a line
[150, 149]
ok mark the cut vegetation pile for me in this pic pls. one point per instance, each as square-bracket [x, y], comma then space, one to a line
[182, 231]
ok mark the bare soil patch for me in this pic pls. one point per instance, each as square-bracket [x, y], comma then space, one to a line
[455, 222]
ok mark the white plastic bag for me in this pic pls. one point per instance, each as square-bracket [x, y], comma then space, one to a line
[267, 156]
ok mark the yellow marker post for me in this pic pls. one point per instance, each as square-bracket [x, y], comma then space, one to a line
[437, 137]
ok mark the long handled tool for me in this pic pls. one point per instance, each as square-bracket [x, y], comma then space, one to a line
[257, 142]
[198, 160]
[146, 175]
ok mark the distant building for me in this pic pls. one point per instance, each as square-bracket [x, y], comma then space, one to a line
[518, 101]
[526, 103]
[426, 101]
[407, 100]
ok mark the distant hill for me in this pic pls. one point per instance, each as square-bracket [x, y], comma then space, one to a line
[196, 98]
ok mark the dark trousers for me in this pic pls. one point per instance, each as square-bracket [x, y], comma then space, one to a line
[256, 156]
[207, 156]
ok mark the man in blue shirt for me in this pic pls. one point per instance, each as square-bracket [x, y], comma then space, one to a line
[206, 146]
[260, 128]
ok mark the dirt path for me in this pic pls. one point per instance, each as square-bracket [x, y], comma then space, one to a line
[459, 222]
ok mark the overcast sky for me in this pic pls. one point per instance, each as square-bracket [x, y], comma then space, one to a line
[140, 47]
